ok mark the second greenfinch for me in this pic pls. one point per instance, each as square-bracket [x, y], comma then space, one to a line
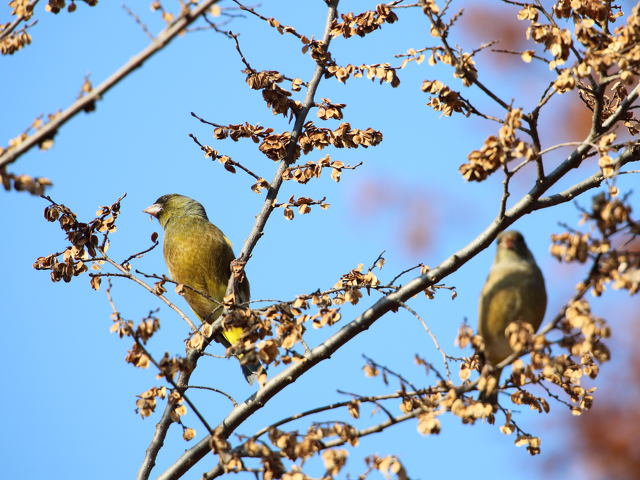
[199, 255]
[513, 292]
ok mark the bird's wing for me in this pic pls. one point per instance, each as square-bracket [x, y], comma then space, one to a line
[218, 271]
[190, 250]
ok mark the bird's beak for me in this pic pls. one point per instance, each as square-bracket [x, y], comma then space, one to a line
[508, 242]
[153, 210]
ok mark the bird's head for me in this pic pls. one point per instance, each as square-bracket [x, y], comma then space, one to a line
[511, 246]
[174, 205]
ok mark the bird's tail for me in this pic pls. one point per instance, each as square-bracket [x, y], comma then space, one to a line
[252, 371]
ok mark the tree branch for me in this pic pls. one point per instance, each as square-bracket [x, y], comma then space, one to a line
[49, 130]
[125, 273]
[631, 154]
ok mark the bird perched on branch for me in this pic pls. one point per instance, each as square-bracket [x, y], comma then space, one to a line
[198, 255]
[513, 292]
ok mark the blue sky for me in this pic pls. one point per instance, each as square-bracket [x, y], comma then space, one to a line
[70, 397]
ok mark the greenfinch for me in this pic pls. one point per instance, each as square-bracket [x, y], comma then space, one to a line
[513, 292]
[199, 255]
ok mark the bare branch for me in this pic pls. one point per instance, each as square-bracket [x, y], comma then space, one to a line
[136, 19]
[162, 40]
[230, 161]
[631, 154]
[125, 273]
[216, 390]
[445, 359]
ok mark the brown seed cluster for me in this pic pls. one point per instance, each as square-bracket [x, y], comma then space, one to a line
[126, 328]
[569, 247]
[581, 352]
[303, 173]
[276, 97]
[383, 72]
[83, 239]
[146, 403]
[355, 279]
[466, 69]
[334, 461]
[387, 466]
[609, 102]
[27, 183]
[497, 151]
[21, 8]
[137, 357]
[616, 251]
[316, 138]
[55, 6]
[605, 50]
[294, 446]
[38, 123]
[14, 42]
[363, 23]
[302, 203]
[225, 160]
[557, 41]
[274, 145]
[328, 110]
[444, 99]
[319, 52]
[243, 130]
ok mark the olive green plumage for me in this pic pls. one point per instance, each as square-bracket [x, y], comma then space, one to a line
[513, 292]
[198, 255]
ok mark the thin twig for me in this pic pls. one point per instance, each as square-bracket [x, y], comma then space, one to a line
[230, 160]
[433, 337]
[332, 406]
[389, 371]
[404, 272]
[140, 254]
[140, 23]
[125, 273]
[216, 390]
